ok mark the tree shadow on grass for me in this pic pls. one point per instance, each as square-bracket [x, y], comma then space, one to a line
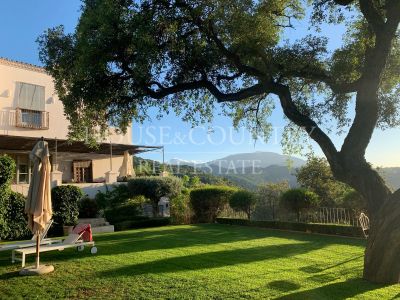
[134, 241]
[283, 285]
[210, 260]
[317, 268]
[141, 240]
[337, 290]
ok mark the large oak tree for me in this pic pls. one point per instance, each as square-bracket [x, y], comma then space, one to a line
[186, 55]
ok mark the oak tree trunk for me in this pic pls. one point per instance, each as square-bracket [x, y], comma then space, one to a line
[382, 255]
[381, 261]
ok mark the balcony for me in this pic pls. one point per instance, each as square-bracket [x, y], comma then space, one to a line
[33, 119]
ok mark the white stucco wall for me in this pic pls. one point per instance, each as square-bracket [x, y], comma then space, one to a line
[13, 72]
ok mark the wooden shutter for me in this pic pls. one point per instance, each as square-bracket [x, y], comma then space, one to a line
[30, 96]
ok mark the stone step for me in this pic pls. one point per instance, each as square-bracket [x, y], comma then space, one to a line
[103, 229]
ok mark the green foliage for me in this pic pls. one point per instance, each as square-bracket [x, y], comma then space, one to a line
[194, 181]
[251, 29]
[142, 222]
[7, 170]
[208, 201]
[243, 201]
[155, 187]
[118, 194]
[185, 180]
[180, 208]
[15, 220]
[351, 231]
[268, 197]
[126, 211]
[65, 199]
[191, 181]
[88, 208]
[316, 175]
[352, 199]
[297, 200]
[145, 167]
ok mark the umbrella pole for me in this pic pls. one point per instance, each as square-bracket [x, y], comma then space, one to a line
[37, 250]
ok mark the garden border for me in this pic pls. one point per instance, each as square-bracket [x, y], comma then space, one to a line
[329, 229]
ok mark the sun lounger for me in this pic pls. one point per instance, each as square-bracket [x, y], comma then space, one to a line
[73, 240]
[32, 242]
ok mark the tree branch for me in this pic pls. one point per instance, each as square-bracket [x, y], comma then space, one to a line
[242, 94]
[291, 111]
[372, 15]
[343, 2]
[322, 76]
[366, 117]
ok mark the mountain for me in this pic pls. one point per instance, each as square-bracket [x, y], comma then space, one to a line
[248, 170]
[250, 180]
[391, 176]
[256, 159]
[177, 161]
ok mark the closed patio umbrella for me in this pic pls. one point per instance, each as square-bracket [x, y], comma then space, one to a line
[38, 204]
[127, 166]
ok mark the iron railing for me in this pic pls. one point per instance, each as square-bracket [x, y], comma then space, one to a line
[34, 119]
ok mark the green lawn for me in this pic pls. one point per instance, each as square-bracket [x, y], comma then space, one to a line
[202, 261]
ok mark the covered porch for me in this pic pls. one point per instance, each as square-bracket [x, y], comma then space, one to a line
[72, 162]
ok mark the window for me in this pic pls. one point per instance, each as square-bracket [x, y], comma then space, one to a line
[31, 117]
[23, 168]
[23, 173]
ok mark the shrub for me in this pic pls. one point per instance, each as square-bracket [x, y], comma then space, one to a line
[142, 222]
[154, 188]
[112, 197]
[87, 208]
[243, 201]
[180, 209]
[353, 200]
[208, 201]
[297, 200]
[126, 211]
[16, 225]
[65, 200]
[7, 170]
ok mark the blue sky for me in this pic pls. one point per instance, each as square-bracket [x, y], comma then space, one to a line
[23, 21]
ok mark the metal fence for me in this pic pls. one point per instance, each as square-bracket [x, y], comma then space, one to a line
[321, 215]
[331, 215]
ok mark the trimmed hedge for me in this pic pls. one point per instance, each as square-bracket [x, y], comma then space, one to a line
[16, 224]
[13, 220]
[208, 201]
[65, 199]
[142, 222]
[332, 229]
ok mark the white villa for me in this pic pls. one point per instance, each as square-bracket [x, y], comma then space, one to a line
[29, 110]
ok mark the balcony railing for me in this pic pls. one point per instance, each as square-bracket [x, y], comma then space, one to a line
[33, 119]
